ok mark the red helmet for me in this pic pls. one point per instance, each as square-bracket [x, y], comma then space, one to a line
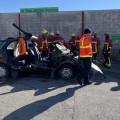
[57, 32]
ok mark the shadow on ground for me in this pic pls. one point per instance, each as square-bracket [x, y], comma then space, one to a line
[29, 111]
[112, 75]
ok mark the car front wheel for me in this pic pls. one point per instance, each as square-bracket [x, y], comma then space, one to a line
[4, 72]
[66, 71]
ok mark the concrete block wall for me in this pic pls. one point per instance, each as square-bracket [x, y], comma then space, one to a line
[65, 22]
[6, 28]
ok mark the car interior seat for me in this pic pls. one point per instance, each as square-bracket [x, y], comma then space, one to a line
[35, 51]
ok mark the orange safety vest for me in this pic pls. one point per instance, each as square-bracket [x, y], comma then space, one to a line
[85, 46]
[22, 46]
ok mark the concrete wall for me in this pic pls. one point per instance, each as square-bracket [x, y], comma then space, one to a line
[65, 22]
[100, 21]
[6, 28]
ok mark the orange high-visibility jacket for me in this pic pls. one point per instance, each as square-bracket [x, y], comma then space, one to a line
[85, 46]
[95, 44]
[22, 46]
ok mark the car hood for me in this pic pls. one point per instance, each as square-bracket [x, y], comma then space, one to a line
[62, 48]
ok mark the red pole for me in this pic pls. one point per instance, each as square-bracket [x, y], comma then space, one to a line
[82, 22]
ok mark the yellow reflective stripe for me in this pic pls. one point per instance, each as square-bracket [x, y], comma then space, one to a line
[77, 41]
[86, 46]
[106, 44]
[57, 41]
[83, 41]
[48, 44]
[95, 47]
[42, 44]
[109, 61]
[94, 42]
[85, 55]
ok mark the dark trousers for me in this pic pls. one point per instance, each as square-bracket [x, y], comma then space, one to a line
[107, 59]
[74, 50]
[29, 58]
[86, 67]
[94, 56]
[44, 54]
[19, 58]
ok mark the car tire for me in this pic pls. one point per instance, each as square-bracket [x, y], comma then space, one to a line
[66, 72]
[4, 71]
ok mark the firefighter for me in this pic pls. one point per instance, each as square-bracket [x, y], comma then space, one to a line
[95, 45]
[85, 57]
[60, 39]
[50, 45]
[43, 42]
[51, 36]
[72, 44]
[72, 41]
[107, 50]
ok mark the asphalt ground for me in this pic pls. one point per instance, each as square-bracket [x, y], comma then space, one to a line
[35, 96]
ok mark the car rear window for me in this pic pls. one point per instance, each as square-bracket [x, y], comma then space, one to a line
[1, 44]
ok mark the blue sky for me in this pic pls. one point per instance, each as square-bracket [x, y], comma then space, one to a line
[7, 6]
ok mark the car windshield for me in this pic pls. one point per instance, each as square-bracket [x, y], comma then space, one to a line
[1, 44]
